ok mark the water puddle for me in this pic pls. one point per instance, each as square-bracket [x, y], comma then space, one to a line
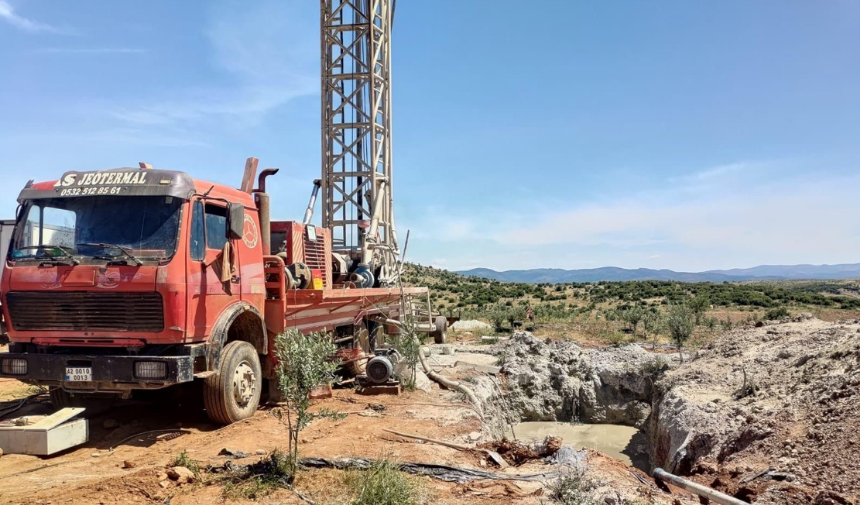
[624, 443]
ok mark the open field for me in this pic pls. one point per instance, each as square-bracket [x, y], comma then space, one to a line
[596, 311]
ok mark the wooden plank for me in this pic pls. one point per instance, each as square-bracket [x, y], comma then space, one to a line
[249, 175]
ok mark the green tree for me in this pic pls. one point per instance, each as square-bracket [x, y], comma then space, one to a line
[699, 305]
[633, 316]
[304, 363]
[654, 323]
[498, 315]
[681, 322]
[408, 346]
[515, 314]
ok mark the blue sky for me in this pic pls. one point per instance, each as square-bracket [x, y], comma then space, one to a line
[671, 134]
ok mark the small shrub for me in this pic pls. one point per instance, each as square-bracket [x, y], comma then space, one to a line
[327, 413]
[655, 368]
[183, 459]
[776, 314]
[711, 323]
[253, 488]
[612, 337]
[383, 484]
[573, 488]
[262, 478]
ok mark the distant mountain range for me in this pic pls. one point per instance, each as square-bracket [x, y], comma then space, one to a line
[763, 272]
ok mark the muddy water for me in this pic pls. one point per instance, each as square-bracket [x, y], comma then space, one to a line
[622, 442]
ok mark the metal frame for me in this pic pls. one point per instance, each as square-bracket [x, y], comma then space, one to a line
[356, 130]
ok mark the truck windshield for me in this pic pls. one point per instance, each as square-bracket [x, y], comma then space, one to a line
[99, 227]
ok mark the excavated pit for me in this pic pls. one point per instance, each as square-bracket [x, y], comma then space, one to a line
[599, 399]
[767, 414]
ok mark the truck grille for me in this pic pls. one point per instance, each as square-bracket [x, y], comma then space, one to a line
[75, 310]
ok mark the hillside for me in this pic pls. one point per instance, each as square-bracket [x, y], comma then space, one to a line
[609, 309]
[763, 272]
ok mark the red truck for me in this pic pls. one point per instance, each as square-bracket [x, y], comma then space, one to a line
[136, 278]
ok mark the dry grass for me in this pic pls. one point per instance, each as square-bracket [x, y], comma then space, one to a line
[383, 484]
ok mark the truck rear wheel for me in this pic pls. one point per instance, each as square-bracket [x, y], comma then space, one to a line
[232, 393]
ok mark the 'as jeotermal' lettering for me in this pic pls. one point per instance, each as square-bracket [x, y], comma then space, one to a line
[105, 178]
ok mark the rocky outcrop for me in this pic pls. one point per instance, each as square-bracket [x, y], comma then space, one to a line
[783, 395]
[780, 395]
[560, 381]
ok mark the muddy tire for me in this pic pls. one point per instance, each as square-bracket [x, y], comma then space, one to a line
[232, 393]
[441, 332]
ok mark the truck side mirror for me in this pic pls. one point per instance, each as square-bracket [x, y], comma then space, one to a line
[235, 220]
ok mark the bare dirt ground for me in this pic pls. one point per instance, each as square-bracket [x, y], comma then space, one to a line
[134, 472]
[781, 397]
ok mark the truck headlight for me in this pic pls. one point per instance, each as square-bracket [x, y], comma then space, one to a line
[14, 366]
[150, 370]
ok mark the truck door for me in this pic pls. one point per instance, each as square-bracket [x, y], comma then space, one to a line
[207, 294]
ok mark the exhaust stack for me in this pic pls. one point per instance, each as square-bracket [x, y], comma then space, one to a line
[264, 208]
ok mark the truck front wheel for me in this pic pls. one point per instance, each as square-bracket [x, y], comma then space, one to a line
[232, 393]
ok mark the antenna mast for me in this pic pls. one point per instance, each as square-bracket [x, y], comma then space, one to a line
[356, 133]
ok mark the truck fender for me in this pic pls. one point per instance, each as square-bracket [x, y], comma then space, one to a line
[239, 321]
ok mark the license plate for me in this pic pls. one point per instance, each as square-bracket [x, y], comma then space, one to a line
[79, 374]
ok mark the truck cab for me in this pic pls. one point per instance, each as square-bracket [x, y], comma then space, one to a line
[127, 279]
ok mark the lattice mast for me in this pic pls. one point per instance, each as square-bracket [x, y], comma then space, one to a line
[356, 132]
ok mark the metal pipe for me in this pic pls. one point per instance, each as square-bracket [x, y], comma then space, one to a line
[261, 180]
[265, 222]
[264, 210]
[373, 230]
[713, 495]
[309, 212]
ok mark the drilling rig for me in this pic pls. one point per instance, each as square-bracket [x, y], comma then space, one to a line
[356, 139]
[135, 278]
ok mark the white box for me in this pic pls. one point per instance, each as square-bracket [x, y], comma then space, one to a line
[48, 436]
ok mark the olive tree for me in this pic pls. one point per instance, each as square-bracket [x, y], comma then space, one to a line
[408, 345]
[699, 304]
[305, 362]
[517, 313]
[681, 322]
[633, 316]
[654, 323]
